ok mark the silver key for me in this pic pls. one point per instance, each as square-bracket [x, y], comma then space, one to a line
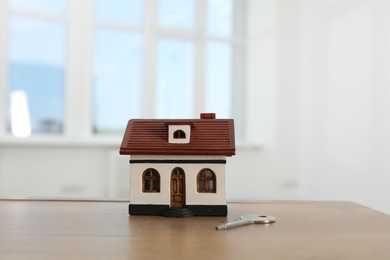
[246, 220]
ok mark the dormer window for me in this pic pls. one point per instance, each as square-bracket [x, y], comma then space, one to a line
[179, 134]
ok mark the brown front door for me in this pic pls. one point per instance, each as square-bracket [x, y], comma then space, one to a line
[178, 198]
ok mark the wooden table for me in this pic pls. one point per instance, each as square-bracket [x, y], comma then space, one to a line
[104, 230]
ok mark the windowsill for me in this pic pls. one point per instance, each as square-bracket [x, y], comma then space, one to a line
[95, 141]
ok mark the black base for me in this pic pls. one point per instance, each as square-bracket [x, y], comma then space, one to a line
[208, 210]
[178, 213]
[141, 209]
[196, 210]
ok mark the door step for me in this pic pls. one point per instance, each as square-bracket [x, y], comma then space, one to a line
[178, 213]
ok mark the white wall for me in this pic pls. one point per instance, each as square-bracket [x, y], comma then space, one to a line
[192, 197]
[346, 94]
[317, 108]
[271, 170]
[320, 72]
[50, 171]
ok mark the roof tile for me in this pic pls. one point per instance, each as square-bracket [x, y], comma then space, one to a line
[150, 137]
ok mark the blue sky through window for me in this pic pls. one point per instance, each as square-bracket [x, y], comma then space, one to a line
[179, 14]
[175, 78]
[36, 67]
[120, 11]
[218, 78]
[220, 17]
[117, 79]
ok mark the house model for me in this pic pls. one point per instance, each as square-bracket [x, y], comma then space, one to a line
[177, 167]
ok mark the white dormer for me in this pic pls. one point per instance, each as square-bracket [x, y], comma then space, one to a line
[179, 134]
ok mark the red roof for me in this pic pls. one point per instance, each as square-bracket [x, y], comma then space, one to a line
[150, 137]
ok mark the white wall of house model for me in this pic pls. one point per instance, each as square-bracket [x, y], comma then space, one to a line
[193, 197]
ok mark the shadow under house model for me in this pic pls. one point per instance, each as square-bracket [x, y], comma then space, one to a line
[177, 166]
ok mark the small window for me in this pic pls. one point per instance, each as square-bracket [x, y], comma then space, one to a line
[206, 181]
[151, 181]
[179, 134]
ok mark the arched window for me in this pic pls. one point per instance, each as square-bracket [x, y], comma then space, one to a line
[179, 134]
[206, 181]
[150, 180]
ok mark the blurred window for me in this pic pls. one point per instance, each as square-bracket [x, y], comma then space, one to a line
[78, 68]
[36, 67]
[171, 59]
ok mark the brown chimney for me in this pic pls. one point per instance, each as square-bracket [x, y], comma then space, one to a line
[207, 116]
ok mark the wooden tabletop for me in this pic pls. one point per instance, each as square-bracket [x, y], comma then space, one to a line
[104, 230]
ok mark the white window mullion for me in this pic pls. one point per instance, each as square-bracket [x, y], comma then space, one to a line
[78, 91]
[3, 65]
[175, 33]
[118, 26]
[200, 55]
[150, 57]
[35, 15]
[78, 96]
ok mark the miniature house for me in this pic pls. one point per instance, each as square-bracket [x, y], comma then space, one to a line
[178, 164]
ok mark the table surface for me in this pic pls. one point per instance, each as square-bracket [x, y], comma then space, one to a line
[103, 230]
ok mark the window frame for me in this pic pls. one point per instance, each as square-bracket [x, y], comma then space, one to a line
[154, 175]
[206, 179]
[78, 90]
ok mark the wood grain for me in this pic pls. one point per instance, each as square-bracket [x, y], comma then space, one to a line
[104, 230]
